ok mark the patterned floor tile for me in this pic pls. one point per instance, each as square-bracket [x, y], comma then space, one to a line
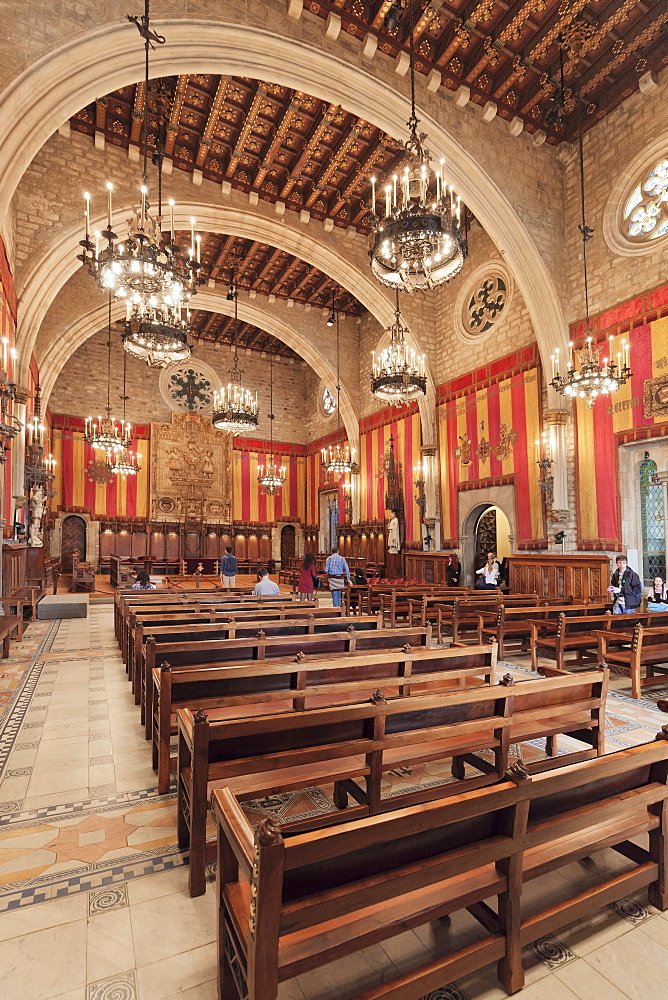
[122, 987]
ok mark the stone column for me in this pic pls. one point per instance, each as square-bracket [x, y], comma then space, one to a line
[556, 424]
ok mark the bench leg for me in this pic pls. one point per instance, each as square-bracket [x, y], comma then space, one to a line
[340, 795]
[635, 681]
[551, 746]
[458, 769]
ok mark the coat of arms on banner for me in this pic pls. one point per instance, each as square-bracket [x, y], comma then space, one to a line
[656, 397]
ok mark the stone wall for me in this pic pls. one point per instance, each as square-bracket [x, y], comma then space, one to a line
[81, 389]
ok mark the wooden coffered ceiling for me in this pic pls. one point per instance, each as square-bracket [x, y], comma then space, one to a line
[262, 268]
[213, 328]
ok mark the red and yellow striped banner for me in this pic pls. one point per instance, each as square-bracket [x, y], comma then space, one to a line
[375, 433]
[487, 434]
[615, 420]
[118, 498]
[250, 504]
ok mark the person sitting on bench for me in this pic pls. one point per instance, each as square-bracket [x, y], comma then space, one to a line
[489, 573]
[143, 581]
[657, 599]
[265, 587]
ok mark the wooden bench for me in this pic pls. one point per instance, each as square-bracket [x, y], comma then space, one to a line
[256, 626]
[140, 625]
[512, 625]
[424, 610]
[210, 606]
[344, 745]
[9, 624]
[627, 653]
[577, 634]
[296, 684]
[289, 904]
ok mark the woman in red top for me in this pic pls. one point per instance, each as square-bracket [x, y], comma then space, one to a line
[307, 577]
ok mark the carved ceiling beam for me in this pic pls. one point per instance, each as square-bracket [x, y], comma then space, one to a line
[246, 263]
[137, 120]
[351, 137]
[212, 122]
[221, 260]
[175, 115]
[100, 114]
[591, 44]
[366, 168]
[632, 45]
[271, 261]
[316, 137]
[278, 136]
[379, 16]
[259, 95]
[287, 273]
[465, 29]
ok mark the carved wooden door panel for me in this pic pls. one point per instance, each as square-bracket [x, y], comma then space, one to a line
[287, 544]
[485, 537]
[73, 540]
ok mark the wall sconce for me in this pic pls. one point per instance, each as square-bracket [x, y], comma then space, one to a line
[546, 479]
[420, 482]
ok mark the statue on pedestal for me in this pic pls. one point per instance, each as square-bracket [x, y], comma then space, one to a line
[37, 508]
[393, 540]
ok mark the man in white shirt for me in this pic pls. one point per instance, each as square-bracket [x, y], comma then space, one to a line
[489, 573]
[265, 587]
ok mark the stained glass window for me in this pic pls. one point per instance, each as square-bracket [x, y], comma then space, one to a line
[645, 212]
[328, 401]
[653, 524]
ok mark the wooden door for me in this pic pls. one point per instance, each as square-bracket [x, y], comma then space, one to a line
[287, 544]
[73, 540]
[485, 537]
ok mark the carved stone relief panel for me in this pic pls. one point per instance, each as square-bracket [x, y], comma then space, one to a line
[191, 470]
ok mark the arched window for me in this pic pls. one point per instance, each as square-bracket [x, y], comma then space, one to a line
[645, 211]
[653, 524]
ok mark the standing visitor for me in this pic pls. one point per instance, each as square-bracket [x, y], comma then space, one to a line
[338, 574]
[453, 573]
[228, 569]
[265, 587]
[626, 588]
[307, 578]
[489, 574]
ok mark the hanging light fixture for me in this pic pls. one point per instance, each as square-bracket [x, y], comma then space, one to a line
[417, 223]
[590, 371]
[398, 373]
[338, 459]
[105, 433]
[271, 477]
[124, 462]
[234, 408]
[146, 269]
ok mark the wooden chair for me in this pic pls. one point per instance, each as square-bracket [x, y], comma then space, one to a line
[627, 653]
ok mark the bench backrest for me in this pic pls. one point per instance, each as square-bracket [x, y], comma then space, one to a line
[223, 650]
[249, 628]
[337, 678]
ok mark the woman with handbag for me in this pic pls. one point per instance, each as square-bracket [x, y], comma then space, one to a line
[308, 578]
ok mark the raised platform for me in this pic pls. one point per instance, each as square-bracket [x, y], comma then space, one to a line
[63, 606]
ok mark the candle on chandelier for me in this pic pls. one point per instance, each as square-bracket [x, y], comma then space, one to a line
[571, 348]
[556, 361]
[110, 188]
[87, 213]
[394, 190]
[626, 349]
[537, 452]
[198, 240]
[5, 341]
[171, 218]
[192, 236]
[388, 192]
[373, 195]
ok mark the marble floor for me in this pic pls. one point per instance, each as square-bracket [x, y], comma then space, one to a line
[93, 888]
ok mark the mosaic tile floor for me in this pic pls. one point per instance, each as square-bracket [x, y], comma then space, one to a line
[93, 898]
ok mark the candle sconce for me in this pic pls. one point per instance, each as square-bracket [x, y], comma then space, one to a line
[420, 482]
[348, 502]
[10, 425]
[40, 469]
[546, 480]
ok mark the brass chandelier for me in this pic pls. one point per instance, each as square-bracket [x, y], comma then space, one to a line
[124, 462]
[338, 459]
[417, 218]
[106, 433]
[398, 373]
[590, 372]
[234, 407]
[272, 476]
[146, 269]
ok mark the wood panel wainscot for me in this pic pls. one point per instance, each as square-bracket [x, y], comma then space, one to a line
[554, 575]
[427, 567]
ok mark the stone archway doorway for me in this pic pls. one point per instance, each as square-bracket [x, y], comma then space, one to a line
[73, 540]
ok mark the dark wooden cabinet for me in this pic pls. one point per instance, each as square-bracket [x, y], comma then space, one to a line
[553, 575]
[427, 567]
[13, 567]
